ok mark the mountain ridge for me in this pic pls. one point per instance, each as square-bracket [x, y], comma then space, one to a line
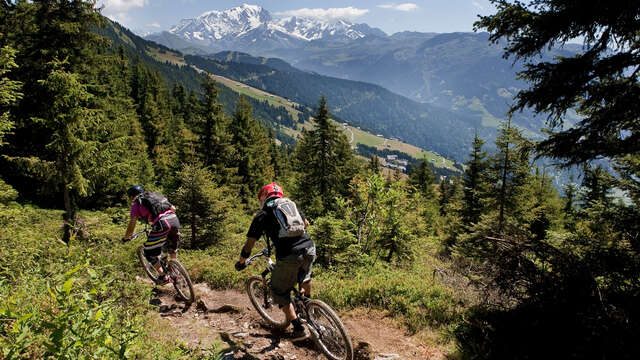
[244, 27]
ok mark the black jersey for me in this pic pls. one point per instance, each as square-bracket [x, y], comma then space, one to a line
[265, 222]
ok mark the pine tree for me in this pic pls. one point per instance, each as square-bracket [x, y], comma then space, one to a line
[212, 127]
[203, 206]
[9, 90]
[508, 171]
[69, 119]
[422, 179]
[474, 181]
[597, 187]
[374, 164]
[278, 162]
[251, 151]
[326, 164]
[597, 82]
[120, 157]
[9, 95]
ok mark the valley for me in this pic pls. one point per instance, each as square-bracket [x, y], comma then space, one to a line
[355, 134]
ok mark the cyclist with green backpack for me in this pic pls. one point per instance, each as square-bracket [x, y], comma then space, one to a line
[285, 226]
[165, 226]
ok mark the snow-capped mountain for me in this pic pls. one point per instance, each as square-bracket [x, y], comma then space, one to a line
[251, 27]
[217, 25]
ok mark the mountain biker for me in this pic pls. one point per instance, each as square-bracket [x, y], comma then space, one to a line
[294, 256]
[165, 227]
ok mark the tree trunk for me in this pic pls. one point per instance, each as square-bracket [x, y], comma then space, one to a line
[194, 244]
[68, 215]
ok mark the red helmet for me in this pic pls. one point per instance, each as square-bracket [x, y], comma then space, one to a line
[268, 191]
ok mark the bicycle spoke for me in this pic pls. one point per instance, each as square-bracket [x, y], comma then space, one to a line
[331, 338]
[260, 297]
[180, 281]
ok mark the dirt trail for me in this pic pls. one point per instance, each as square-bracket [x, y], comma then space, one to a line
[232, 318]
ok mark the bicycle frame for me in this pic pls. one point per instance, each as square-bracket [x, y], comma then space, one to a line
[298, 298]
[162, 258]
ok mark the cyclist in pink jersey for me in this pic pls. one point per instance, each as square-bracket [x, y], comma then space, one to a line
[165, 227]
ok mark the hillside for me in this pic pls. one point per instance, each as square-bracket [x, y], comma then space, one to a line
[462, 76]
[462, 72]
[172, 66]
[273, 110]
[368, 106]
[356, 135]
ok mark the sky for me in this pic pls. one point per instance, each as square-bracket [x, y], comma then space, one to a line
[146, 16]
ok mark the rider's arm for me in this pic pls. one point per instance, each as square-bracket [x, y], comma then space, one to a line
[130, 228]
[248, 246]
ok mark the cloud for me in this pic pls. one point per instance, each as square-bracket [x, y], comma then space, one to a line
[121, 6]
[400, 7]
[347, 13]
[477, 4]
[155, 25]
[117, 9]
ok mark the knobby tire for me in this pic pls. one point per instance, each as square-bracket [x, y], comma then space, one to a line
[333, 339]
[181, 281]
[146, 265]
[269, 311]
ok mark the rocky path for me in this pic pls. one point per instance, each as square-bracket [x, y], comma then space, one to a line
[228, 315]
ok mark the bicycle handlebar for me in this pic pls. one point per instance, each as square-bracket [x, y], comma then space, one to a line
[135, 235]
[264, 252]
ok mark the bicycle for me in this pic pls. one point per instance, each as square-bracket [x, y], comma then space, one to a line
[325, 328]
[177, 273]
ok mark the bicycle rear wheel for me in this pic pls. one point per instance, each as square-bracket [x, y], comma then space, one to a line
[146, 265]
[333, 339]
[260, 297]
[181, 281]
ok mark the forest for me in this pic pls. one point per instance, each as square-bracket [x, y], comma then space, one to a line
[495, 263]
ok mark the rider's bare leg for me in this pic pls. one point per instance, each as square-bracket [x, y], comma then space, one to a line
[289, 312]
[305, 288]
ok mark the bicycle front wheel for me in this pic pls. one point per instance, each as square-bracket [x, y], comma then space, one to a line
[260, 297]
[146, 265]
[333, 339]
[181, 281]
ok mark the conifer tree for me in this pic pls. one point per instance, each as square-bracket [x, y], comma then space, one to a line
[120, 157]
[251, 151]
[69, 118]
[474, 181]
[422, 179]
[212, 127]
[444, 192]
[325, 162]
[597, 186]
[374, 164]
[9, 95]
[570, 194]
[508, 171]
[278, 162]
[9, 90]
[203, 205]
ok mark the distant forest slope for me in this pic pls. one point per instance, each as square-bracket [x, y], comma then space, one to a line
[150, 53]
[369, 106]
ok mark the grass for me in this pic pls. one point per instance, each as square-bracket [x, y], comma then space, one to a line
[75, 301]
[36, 269]
[381, 143]
[164, 56]
[257, 94]
[488, 120]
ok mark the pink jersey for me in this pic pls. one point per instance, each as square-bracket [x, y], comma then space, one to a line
[138, 211]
